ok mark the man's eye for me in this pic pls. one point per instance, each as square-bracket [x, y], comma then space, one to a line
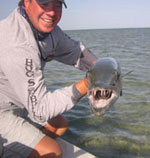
[58, 5]
[44, 5]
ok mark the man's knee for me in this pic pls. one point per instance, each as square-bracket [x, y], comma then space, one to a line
[46, 148]
[56, 127]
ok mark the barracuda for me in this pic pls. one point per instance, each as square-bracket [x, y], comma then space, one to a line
[105, 85]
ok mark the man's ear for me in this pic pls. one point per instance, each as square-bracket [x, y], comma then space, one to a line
[26, 3]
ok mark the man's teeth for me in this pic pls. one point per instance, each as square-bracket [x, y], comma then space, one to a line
[47, 20]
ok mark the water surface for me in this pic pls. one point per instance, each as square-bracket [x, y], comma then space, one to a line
[124, 131]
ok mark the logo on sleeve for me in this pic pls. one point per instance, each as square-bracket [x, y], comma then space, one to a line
[31, 82]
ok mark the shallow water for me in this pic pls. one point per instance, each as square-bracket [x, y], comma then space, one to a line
[124, 131]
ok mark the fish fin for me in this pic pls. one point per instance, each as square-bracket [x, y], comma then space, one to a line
[129, 72]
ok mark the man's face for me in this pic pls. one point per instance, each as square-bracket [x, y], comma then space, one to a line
[44, 17]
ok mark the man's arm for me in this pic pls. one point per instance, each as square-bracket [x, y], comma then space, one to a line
[72, 52]
[22, 68]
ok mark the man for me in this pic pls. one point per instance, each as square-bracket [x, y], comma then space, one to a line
[29, 113]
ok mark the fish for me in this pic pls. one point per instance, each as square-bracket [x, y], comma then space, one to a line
[105, 84]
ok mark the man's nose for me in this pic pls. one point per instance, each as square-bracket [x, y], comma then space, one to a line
[51, 12]
[50, 9]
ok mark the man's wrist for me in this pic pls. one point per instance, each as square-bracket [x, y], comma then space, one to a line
[82, 86]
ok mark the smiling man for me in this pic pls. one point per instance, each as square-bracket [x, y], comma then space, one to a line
[30, 115]
[44, 16]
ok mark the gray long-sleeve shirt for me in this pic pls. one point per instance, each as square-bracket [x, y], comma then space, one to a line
[21, 68]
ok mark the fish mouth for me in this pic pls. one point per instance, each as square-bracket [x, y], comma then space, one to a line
[101, 100]
[102, 94]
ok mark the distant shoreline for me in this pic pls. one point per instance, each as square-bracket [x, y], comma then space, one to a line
[106, 29]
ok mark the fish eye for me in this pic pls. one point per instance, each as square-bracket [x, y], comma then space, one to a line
[117, 76]
[113, 84]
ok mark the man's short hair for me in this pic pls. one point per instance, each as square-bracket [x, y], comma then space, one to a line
[21, 2]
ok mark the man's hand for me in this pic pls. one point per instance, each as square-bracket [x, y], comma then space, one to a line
[82, 86]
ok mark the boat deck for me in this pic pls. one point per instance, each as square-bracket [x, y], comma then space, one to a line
[72, 151]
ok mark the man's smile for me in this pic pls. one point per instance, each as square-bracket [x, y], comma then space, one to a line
[50, 21]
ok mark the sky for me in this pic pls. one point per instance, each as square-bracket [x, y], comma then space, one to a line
[97, 14]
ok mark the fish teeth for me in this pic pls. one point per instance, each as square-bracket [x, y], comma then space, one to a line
[102, 94]
[94, 92]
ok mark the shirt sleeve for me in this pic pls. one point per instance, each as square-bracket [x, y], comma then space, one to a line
[72, 52]
[22, 68]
